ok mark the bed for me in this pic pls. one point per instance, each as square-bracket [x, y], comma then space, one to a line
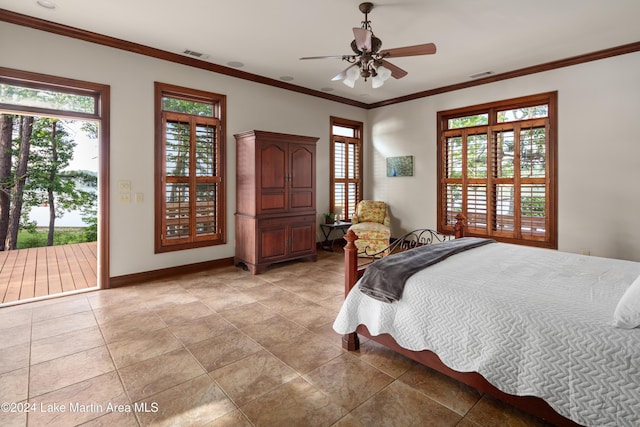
[534, 327]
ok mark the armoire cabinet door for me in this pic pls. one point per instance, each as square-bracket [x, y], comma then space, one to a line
[272, 239]
[302, 174]
[272, 169]
[303, 237]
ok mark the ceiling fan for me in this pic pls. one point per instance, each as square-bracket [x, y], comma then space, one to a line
[369, 60]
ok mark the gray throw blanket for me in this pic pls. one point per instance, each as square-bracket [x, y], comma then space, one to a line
[384, 279]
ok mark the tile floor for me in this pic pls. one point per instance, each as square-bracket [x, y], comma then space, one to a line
[218, 348]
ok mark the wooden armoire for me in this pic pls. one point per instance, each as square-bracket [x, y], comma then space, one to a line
[275, 198]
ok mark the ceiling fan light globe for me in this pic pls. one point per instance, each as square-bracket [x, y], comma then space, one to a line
[376, 82]
[383, 72]
[353, 73]
[349, 82]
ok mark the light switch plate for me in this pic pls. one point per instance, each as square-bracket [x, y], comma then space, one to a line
[124, 186]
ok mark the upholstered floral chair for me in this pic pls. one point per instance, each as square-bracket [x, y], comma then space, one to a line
[371, 224]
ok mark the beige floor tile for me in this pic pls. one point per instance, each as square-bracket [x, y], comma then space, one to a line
[252, 376]
[154, 375]
[348, 380]
[228, 273]
[311, 315]
[223, 350]
[17, 335]
[453, 394]
[196, 402]
[119, 419]
[275, 330]
[10, 317]
[123, 296]
[16, 357]
[57, 373]
[266, 291]
[233, 419]
[215, 289]
[333, 303]
[131, 327]
[400, 405]
[349, 421]
[112, 313]
[228, 300]
[81, 402]
[326, 331]
[65, 344]
[388, 361]
[202, 328]
[169, 300]
[13, 419]
[279, 272]
[296, 283]
[306, 355]
[61, 307]
[287, 303]
[151, 344]
[62, 325]
[246, 282]
[296, 403]
[14, 385]
[184, 313]
[489, 412]
[247, 315]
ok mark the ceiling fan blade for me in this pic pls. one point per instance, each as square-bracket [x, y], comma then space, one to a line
[419, 49]
[325, 57]
[396, 72]
[363, 38]
[343, 73]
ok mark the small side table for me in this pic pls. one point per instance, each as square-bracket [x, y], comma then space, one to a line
[327, 229]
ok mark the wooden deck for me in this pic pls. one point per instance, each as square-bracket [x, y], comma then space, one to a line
[39, 272]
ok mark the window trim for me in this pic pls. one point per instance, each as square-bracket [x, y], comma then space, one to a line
[219, 114]
[549, 98]
[358, 138]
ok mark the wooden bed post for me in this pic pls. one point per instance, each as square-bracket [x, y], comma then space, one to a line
[350, 341]
[460, 225]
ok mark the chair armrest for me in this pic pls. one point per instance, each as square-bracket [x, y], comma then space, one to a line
[354, 219]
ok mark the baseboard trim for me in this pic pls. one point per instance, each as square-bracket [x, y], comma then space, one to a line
[135, 278]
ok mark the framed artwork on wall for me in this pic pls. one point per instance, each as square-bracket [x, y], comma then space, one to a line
[400, 166]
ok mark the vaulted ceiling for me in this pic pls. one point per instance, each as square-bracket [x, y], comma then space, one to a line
[269, 36]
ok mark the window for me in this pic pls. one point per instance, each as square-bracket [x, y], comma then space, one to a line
[190, 150]
[497, 166]
[346, 167]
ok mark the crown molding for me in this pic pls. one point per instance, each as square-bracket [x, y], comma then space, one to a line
[77, 33]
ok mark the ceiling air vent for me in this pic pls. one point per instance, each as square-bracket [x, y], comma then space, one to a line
[195, 54]
[482, 74]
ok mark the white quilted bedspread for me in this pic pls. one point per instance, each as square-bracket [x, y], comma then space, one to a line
[531, 321]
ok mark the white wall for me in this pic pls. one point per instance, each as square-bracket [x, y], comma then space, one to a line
[598, 153]
[131, 76]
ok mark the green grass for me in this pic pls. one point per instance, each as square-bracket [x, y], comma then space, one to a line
[61, 236]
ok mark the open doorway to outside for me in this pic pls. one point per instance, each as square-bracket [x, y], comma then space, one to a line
[53, 137]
